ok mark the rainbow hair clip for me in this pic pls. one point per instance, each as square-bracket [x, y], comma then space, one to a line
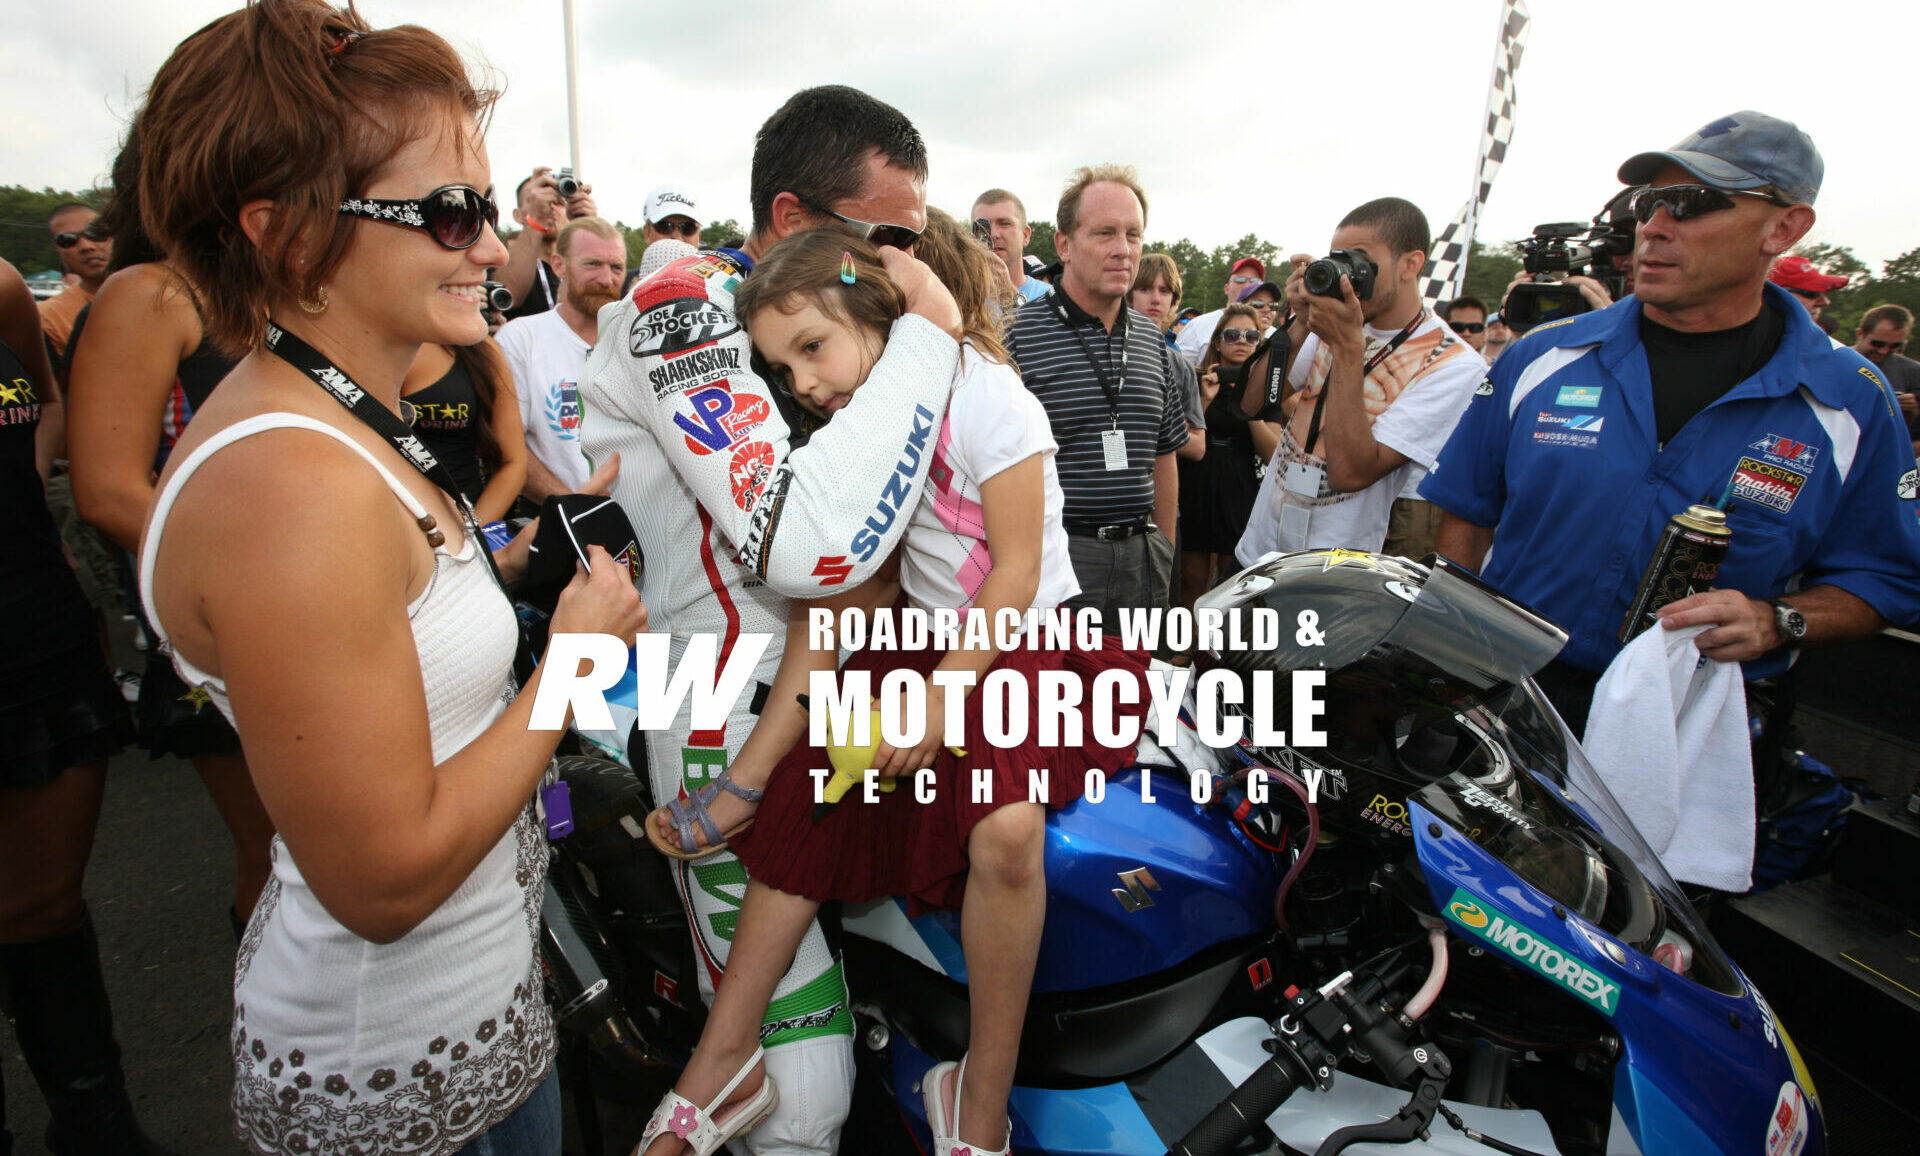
[846, 267]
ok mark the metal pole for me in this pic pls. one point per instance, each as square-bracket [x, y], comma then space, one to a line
[573, 84]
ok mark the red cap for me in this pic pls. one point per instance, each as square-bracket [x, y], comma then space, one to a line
[1799, 273]
[1259, 266]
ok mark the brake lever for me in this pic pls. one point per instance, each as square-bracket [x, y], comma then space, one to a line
[1410, 1123]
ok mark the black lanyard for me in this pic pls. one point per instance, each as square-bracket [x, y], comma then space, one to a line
[388, 425]
[1107, 386]
[1373, 363]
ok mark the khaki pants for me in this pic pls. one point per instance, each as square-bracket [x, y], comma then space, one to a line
[96, 566]
[1411, 528]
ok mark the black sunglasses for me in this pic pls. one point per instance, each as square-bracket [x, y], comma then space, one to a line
[92, 232]
[1684, 202]
[684, 228]
[1809, 294]
[1886, 346]
[1228, 336]
[886, 236]
[1468, 326]
[455, 215]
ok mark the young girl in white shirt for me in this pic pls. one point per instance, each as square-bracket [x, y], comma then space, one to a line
[985, 536]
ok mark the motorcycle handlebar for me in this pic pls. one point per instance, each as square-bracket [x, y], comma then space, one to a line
[1240, 1114]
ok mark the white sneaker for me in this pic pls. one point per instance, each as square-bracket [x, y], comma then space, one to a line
[129, 685]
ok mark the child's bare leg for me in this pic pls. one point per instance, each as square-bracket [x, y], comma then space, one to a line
[769, 931]
[1005, 908]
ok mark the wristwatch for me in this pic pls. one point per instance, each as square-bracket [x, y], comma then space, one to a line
[1792, 623]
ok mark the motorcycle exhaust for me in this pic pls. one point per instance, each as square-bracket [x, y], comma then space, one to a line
[587, 1001]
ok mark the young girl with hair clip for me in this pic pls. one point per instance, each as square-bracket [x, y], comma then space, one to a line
[986, 536]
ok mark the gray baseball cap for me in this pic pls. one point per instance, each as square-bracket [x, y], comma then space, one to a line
[1743, 151]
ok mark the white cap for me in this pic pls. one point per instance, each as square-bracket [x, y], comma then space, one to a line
[662, 253]
[671, 201]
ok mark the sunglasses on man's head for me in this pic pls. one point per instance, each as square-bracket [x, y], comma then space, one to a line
[1684, 202]
[92, 232]
[1468, 326]
[455, 215]
[886, 236]
[687, 229]
[1233, 336]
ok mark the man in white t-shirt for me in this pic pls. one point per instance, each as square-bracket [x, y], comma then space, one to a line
[547, 354]
[1377, 386]
[1243, 275]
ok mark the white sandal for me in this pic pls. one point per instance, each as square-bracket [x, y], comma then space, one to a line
[699, 1127]
[946, 1132]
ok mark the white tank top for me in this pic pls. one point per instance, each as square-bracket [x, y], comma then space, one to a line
[422, 1044]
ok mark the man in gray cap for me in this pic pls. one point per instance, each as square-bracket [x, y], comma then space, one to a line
[1709, 384]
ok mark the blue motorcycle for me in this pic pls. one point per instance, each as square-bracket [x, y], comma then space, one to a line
[1439, 926]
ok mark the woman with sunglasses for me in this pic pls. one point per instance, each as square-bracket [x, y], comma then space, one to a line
[1217, 492]
[141, 365]
[315, 574]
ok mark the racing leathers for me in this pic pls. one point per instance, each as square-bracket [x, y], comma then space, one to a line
[732, 522]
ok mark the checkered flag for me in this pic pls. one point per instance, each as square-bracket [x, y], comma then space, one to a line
[1445, 276]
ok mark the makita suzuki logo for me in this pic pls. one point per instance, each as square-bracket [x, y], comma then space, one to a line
[1539, 954]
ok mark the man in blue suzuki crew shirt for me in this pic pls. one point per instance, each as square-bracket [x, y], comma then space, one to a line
[1706, 385]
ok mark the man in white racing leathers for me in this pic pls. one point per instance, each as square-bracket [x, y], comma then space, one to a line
[733, 522]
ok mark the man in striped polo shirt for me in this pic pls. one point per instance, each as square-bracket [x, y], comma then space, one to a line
[1102, 372]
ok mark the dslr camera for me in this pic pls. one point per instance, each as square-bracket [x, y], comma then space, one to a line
[1322, 278]
[568, 183]
[1562, 250]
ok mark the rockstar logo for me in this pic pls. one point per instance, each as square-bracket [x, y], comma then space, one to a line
[197, 698]
[18, 392]
[1340, 556]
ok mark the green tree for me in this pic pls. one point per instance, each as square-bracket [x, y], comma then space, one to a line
[1041, 244]
[1490, 269]
[24, 239]
[719, 231]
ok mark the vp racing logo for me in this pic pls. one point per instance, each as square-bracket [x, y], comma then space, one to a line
[1467, 913]
[678, 325]
[1537, 954]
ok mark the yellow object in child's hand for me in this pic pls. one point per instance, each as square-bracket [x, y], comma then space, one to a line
[851, 761]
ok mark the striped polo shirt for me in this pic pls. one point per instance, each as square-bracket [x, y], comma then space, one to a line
[1055, 367]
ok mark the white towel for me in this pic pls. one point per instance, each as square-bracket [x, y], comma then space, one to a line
[1668, 734]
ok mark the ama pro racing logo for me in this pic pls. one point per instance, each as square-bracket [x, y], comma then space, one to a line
[678, 325]
[1538, 955]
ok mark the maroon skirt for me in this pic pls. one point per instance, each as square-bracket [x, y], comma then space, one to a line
[898, 846]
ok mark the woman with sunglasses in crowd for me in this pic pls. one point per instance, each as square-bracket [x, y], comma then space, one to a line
[329, 591]
[1217, 492]
[140, 366]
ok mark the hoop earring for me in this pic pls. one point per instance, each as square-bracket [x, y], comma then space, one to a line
[315, 307]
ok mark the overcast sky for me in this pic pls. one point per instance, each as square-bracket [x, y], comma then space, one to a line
[1379, 98]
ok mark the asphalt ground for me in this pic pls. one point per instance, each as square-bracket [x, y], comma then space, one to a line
[159, 884]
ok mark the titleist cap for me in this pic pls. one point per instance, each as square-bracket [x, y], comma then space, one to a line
[671, 201]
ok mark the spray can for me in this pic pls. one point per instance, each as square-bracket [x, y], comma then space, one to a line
[1685, 561]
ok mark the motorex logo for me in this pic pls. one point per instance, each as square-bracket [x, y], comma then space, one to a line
[1541, 956]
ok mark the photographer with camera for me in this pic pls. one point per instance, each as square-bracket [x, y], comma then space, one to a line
[544, 203]
[1380, 382]
[1708, 384]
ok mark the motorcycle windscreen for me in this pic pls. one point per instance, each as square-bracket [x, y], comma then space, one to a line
[1502, 768]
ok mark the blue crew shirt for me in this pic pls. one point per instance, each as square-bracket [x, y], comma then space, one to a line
[1559, 454]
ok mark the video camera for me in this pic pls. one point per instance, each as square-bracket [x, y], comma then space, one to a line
[1562, 250]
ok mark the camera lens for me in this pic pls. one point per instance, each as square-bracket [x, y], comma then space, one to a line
[568, 183]
[1322, 278]
[499, 299]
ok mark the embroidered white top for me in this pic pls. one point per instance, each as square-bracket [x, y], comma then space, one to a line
[419, 1045]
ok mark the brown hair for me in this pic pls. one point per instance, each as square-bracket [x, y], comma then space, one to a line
[975, 277]
[1212, 357]
[805, 267]
[1155, 267]
[598, 226]
[293, 101]
[1895, 313]
[1002, 197]
[1068, 215]
[485, 366]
